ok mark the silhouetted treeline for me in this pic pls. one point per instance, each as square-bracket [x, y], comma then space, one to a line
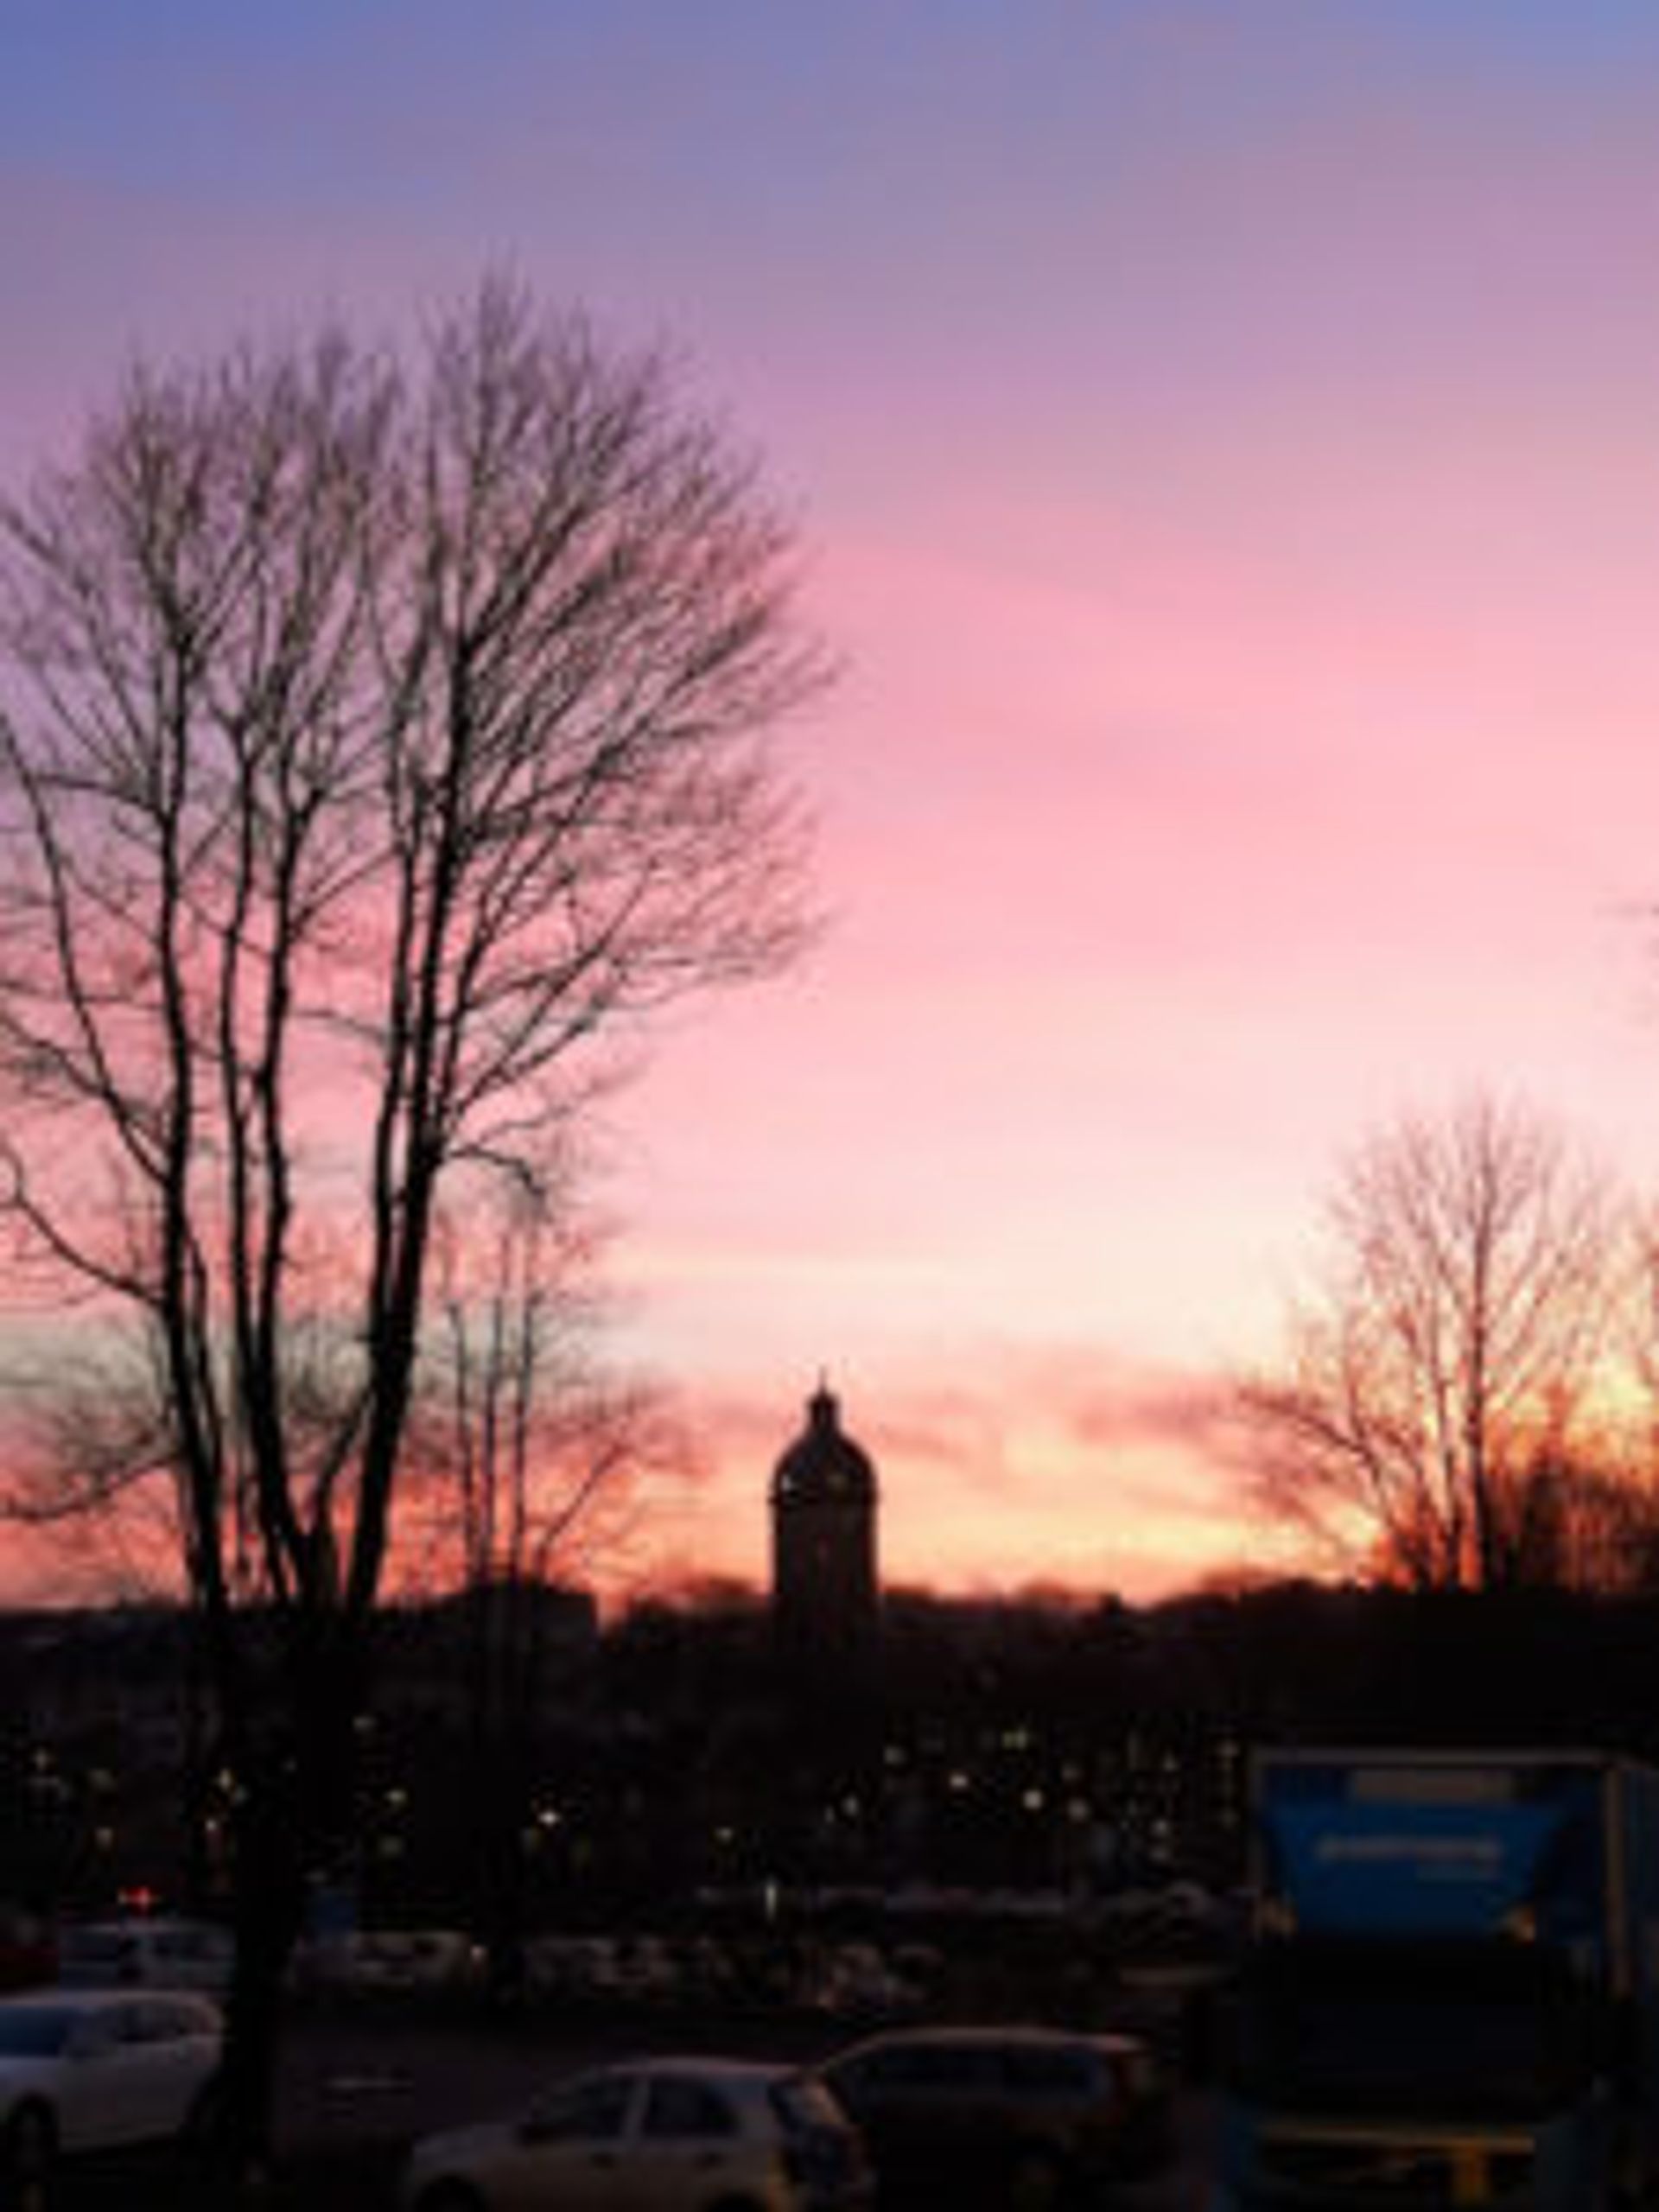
[1034, 1743]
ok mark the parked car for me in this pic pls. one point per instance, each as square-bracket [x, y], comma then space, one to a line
[28, 1950]
[159, 1953]
[97, 2069]
[858, 1983]
[387, 1963]
[631, 1972]
[568, 1967]
[1025, 2115]
[659, 2135]
[428, 1959]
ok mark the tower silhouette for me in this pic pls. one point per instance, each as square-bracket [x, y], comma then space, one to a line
[825, 1597]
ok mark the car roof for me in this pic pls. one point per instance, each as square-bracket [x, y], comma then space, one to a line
[958, 2035]
[695, 2066]
[55, 1999]
[165, 1924]
[60, 1997]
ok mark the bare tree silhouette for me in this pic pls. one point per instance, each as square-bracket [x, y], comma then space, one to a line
[377, 740]
[1437, 1412]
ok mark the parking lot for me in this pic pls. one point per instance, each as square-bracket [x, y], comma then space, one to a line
[355, 2092]
[397, 2036]
[351, 2100]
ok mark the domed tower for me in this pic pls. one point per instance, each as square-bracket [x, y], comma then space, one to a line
[824, 1594]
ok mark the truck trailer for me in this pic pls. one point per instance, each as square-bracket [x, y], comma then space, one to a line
[1452, 1994]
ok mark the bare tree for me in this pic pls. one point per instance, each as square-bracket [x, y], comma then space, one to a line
[536, 1454]
[1586, 1519]
[375, 743]
[536, 1463]
[1438, 1384]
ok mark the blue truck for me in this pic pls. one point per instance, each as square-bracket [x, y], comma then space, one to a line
[1452, 1994]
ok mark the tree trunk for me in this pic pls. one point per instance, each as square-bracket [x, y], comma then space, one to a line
[295, 1807]
[270, 1904]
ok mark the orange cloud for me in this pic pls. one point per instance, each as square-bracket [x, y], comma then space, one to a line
[1052, 1463]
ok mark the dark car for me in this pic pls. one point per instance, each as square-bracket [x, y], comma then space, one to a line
[1023, 2117]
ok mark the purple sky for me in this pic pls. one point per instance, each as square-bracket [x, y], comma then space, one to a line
[1227, 440]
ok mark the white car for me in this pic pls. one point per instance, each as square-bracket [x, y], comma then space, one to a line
[159, 1953]
[84, 2069]
[654, 2135]
[396, 1961]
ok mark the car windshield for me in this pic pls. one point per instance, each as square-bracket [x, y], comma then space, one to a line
[802, 2101]
[34, 2031]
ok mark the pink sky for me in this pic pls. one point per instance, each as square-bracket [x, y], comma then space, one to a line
[1227, 447]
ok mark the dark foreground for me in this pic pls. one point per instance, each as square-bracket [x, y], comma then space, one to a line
[355, 2092]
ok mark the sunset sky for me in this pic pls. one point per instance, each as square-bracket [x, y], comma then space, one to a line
[1226, 443]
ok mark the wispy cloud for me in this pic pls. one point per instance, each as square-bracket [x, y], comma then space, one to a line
[1032, 1463]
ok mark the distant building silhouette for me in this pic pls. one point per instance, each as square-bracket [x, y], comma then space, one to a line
[825, 1596]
